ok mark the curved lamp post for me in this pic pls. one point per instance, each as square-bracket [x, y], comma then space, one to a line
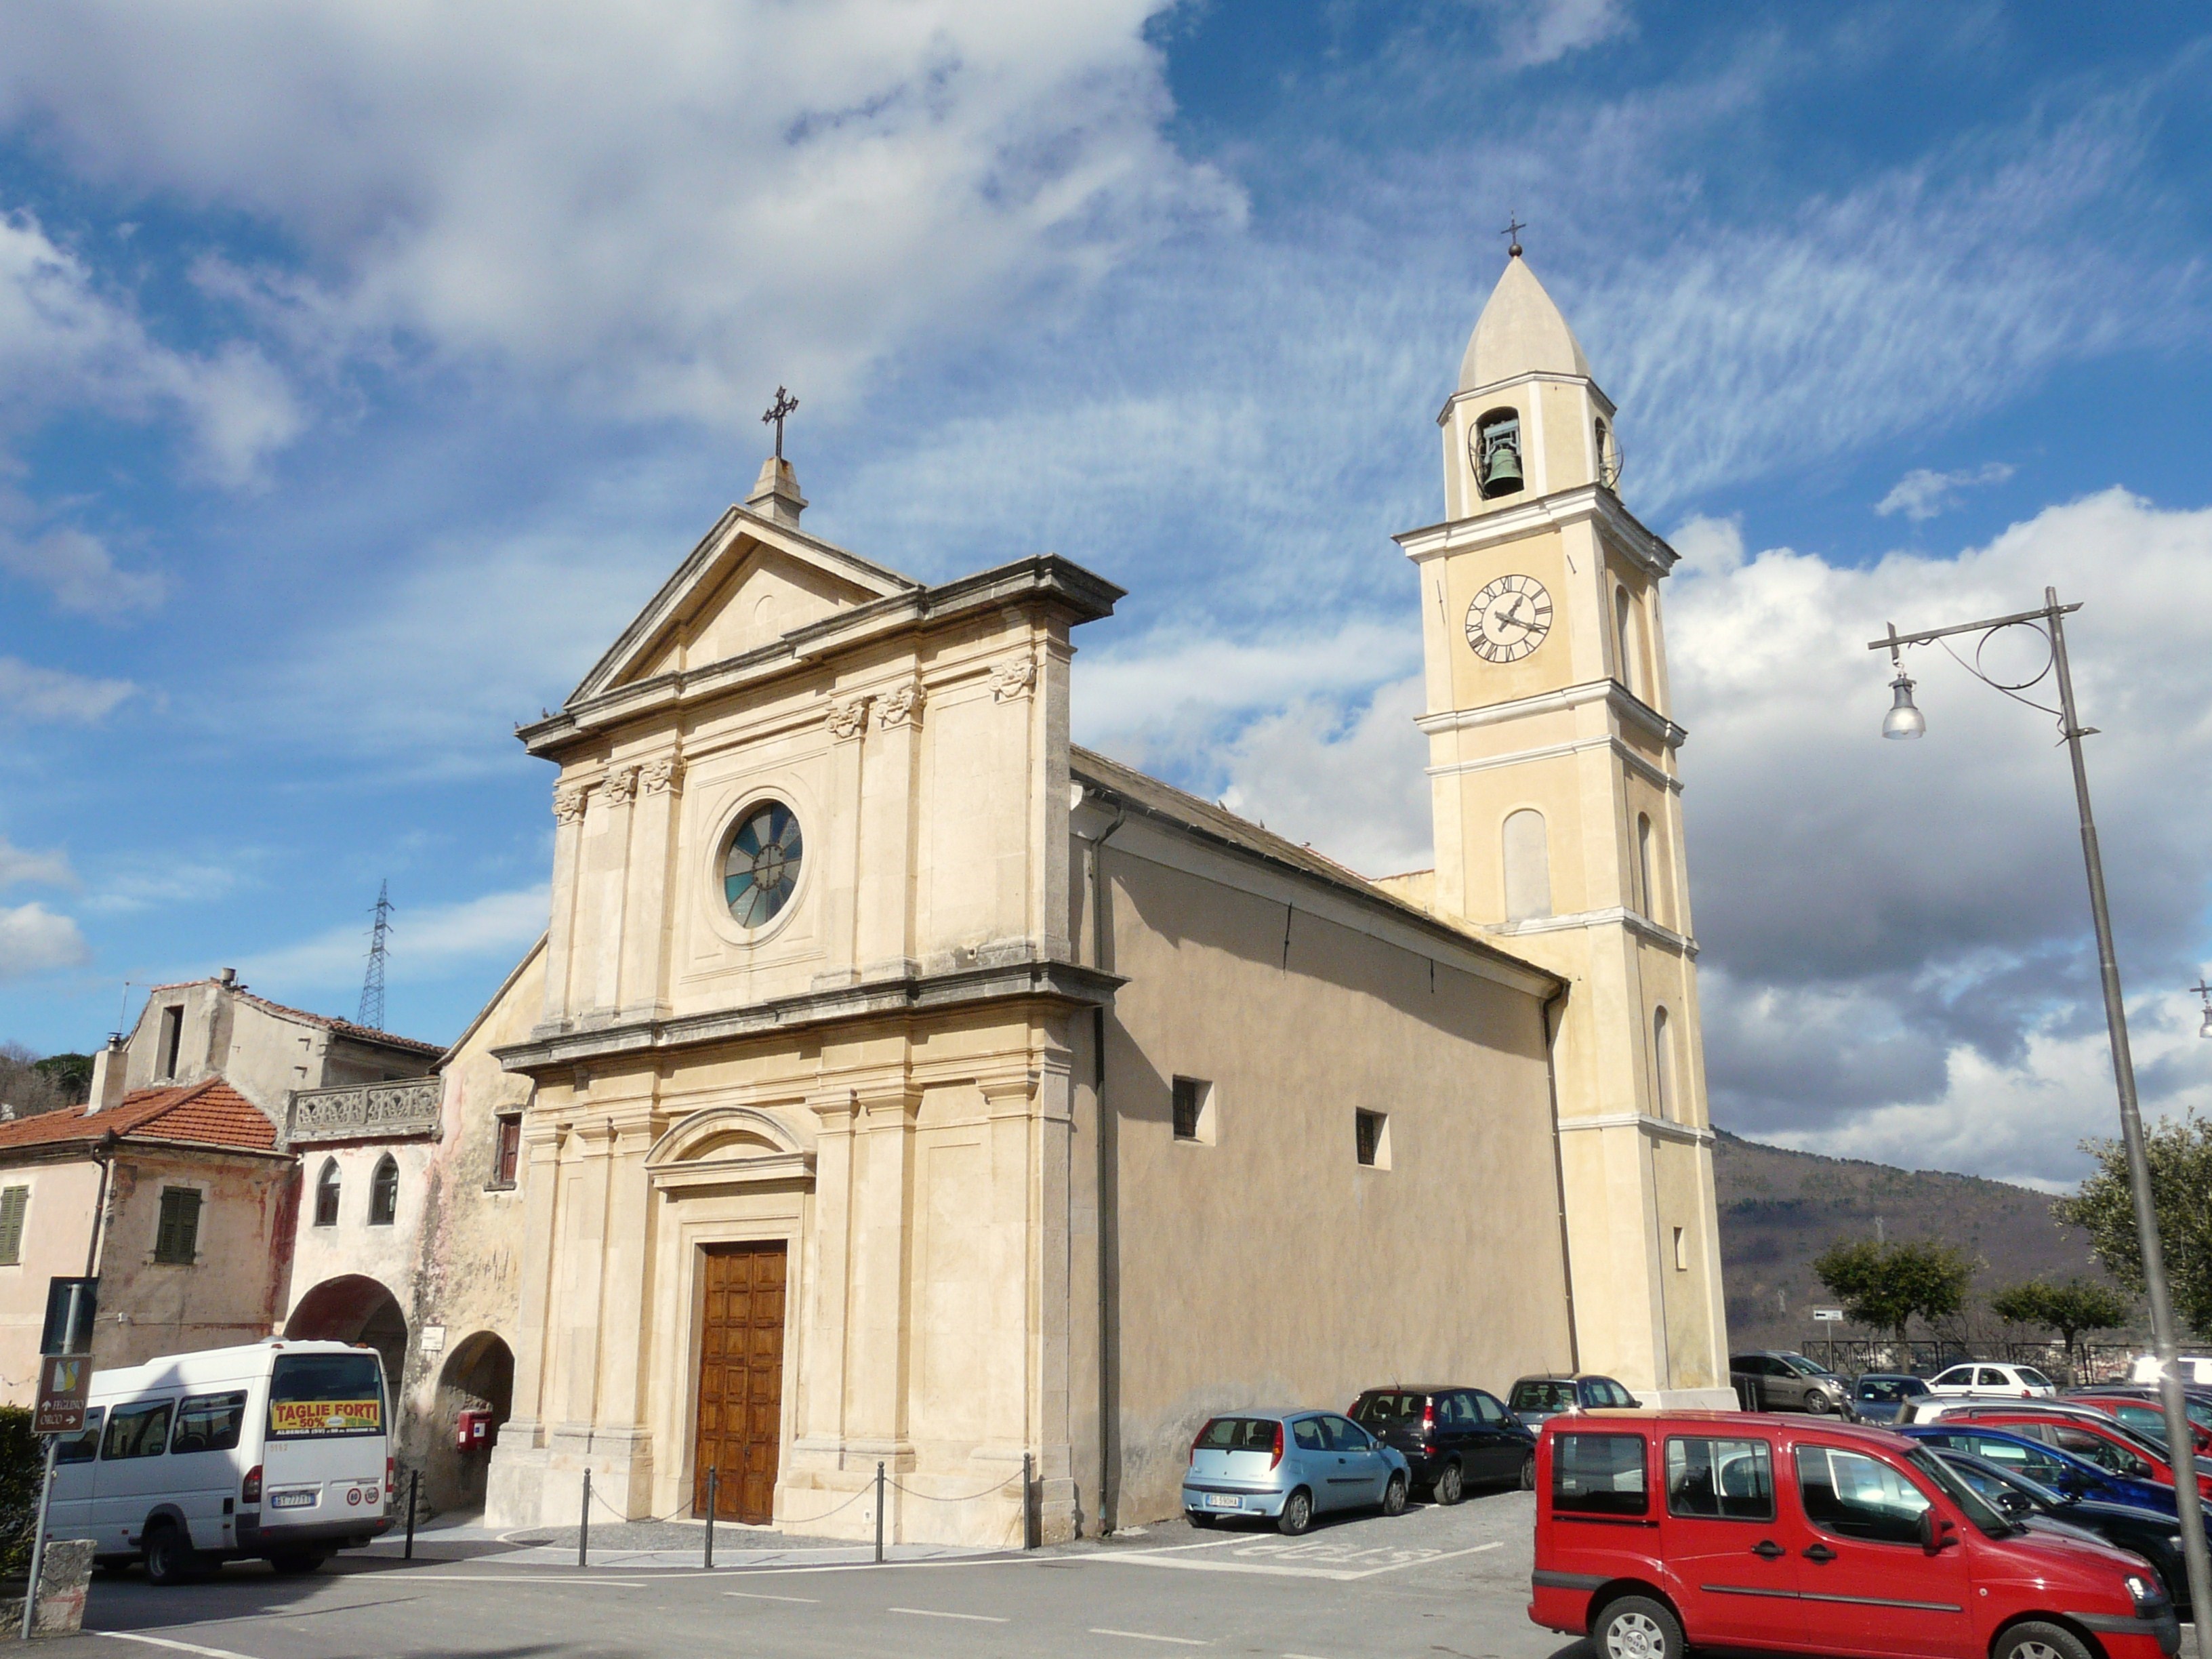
[1904, 720]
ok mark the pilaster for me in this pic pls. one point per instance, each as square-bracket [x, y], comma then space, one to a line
[652, 883]
[569, 801]
[886, 820]
[607, 878]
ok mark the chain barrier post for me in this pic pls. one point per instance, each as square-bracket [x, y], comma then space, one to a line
[584, 1527]
[713, 1478]
[414, 1485]
[1030, 1528]
[879, 1515]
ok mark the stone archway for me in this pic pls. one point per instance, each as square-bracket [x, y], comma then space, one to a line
[479, 1376]
[354, 1308]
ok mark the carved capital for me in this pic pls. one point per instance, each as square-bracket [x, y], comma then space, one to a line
[568, 803]
[1014, 678]
[659, 777]
[902, 707]
[621, 785]
[848, 719]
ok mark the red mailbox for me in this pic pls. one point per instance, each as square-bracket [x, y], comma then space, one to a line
[474, 1430]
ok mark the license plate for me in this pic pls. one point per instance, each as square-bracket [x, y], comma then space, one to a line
[1215, 1500]
[291, 1500]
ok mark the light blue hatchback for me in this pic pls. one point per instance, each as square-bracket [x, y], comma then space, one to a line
[1289, 1467]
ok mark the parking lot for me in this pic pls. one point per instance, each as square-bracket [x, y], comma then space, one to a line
[1433, 1580]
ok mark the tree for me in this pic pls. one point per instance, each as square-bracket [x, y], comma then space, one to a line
[26, 1089]
[72, 1074]
[2070, 1308]
[1886, 1285]
[2180, 1155]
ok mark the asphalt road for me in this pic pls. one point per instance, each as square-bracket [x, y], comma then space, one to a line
[1432, 1582]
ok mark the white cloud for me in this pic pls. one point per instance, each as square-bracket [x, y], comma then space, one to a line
[670, 207]
[34, 940]
[174, 882]
[21, 865]
[64, 342]
[78, 571]
[31, 694]
[1920, 495]
[427, 942]
[1531, 32]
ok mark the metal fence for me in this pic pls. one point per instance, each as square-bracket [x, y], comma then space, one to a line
[2093, 1362]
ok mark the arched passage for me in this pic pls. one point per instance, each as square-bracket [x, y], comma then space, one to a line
[479, 1376]
[354, 1308]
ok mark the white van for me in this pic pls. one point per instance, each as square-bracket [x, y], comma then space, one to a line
[277, 1450]
[2192, 1368]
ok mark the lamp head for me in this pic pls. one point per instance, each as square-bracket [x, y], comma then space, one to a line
[1902, 721]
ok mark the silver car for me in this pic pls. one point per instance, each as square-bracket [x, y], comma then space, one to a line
[1289, 1467]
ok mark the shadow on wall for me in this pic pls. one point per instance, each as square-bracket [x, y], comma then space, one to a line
[478, 1378]
[354, 1309]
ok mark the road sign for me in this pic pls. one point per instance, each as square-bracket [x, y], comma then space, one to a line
[64, 1381]
[72, 1304]
[1829, 1315]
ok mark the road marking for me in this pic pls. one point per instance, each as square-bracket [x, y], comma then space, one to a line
[164, 1642]
[754, 1595]
[1343, 1574]
[519, 1576]
[933, 1612]
[1139, 1636]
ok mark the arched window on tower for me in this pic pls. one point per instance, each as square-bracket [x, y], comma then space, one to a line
[326, 1194]
[1662, 1063]
[1623, 640]
[1498, 462]
[1647, 896]
[384, 1192]
[1605, 459]
[1527, 866]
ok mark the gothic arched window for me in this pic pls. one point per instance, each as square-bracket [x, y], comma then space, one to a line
[1498, 462]
[1662, 1061]
[384, 1192]
[1527, 866]
[326, 1194]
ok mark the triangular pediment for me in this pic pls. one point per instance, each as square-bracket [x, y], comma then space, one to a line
[748, 583]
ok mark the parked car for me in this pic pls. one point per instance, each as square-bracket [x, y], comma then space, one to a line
[1988, 1376]
[1882, 1396]
[2151, 1534]
[1290, 1467]
[2193, 1367]
[1785, 1382]
[2140, 1409]
[2044, 1464]
[1767, 1532]
[1451, 1436]
[2086, 1434]
[1535, 1399]
[273, 1449]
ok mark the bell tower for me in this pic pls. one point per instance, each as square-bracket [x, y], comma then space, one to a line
[1558, 825]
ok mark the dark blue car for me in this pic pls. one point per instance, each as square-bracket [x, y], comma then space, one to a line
[2047, 1465]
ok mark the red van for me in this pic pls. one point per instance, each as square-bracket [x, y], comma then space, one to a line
[1734, 1530]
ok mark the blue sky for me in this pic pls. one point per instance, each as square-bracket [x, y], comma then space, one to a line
[362, 370]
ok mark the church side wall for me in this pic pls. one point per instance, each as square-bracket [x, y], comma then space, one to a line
[1269, 1267]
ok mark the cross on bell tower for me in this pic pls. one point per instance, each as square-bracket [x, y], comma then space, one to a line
[775, 492]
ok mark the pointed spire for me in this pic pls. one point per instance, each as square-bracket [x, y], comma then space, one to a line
[1520, 331]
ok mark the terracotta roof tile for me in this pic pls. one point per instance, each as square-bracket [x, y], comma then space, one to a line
[206, 1114]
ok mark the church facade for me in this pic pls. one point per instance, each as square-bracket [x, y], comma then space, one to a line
[909, 1086]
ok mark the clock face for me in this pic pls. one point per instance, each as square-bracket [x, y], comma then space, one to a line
[1509, 619]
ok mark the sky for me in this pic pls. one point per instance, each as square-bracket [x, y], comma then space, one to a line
[365, 365]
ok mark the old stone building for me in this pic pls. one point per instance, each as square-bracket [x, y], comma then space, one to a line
[900, 1083]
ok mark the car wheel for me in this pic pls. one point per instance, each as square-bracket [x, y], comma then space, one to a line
[1450, 1484]
[297, 1562]
[1298, 1514]
[1199, 1518]
[2035, 1640]
[1637, 1627]
[1817, 1403]
[1528, 1473]
[169, 1558]
[1394, 1495]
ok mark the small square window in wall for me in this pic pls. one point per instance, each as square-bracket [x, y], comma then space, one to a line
[1194, 1110]
[14, 1202]
[178, 1238]
[1371, 1138]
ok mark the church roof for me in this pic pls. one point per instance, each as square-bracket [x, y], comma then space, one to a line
[1217, 824]
[210, 1113]
[1520, 331]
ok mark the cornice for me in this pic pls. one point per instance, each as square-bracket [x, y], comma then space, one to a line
[1612, 916]
[1533, 377]
[1584, 504]
[1656, 1128]
[1064, 982]
[1626, 706]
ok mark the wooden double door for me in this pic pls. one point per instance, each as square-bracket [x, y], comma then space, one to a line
[740, 1405]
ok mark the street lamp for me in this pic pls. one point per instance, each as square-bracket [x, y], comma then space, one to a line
[1904, 720]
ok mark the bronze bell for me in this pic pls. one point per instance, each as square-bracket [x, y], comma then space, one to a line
[1501, 469]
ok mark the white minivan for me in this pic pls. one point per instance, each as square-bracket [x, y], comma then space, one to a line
[277, 1449]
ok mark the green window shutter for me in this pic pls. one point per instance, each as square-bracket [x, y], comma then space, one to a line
[178, 1237]
[13, 1203]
